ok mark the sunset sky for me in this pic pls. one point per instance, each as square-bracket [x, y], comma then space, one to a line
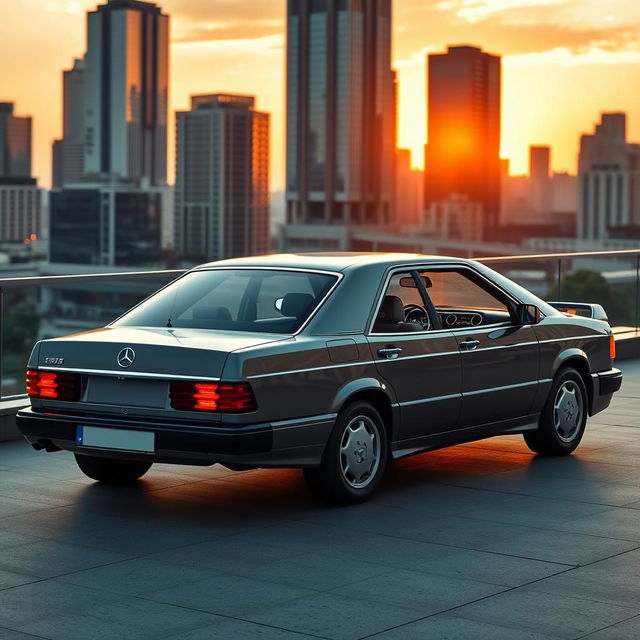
[564, 61]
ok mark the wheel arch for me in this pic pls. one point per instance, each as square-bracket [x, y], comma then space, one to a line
[577, 359]
[375, 393]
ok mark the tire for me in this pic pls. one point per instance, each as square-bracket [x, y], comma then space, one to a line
[354, 459]
[110, 470]
[564, 417]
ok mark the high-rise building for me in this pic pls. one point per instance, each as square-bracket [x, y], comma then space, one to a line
[463, 151]
[540, 185]
[68, 152]
[340, 113]
[608, 179]
[106, 224]
[222, 179]
[409, 186]
[126, 95]
[20, 198]
[15, 143]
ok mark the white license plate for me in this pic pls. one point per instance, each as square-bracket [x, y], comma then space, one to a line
[120, 439]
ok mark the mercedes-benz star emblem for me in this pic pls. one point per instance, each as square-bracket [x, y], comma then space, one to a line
[126, 357]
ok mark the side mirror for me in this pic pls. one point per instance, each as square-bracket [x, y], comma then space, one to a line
[528, 314]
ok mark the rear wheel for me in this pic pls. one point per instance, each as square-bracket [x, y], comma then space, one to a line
[111, 470]
[355, 458]
[564, 417]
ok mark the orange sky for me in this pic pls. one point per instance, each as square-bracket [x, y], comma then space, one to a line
[564, 61]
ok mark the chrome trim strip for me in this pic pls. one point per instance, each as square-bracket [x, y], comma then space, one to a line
[310, 369]
[130, 374]
[593, 335]
[302, 421]
[505, 387]
[434, 399]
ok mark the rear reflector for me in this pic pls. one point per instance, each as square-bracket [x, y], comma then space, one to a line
[54, 385]
[612, 347]
[224, 397]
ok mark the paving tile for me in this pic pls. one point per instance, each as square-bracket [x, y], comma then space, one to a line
[8, 634]
[548, 614]
[627, 630]
[563, 547]
[41, 600]
[136, 576]
[336, 617]
[228, 595]
[239, 630]
[9, 579]
[132, 618]
[448, 627]
[426, 593]
[47, 559]
[493, 568]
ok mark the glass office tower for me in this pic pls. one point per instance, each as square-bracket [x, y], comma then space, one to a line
[127, 77]
[340, 112]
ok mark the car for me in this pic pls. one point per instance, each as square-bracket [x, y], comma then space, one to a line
[333, 363]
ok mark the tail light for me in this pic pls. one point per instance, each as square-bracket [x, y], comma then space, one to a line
[224, 397]
[54, 385]
[612, 347]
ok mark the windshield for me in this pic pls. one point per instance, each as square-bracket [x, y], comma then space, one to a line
[264, 301]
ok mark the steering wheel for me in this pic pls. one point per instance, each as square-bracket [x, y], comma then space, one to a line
[417, 314]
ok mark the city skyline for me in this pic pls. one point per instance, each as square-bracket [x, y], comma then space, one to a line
[565, 47]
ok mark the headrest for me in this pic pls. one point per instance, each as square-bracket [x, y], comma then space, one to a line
[297, 305]
[391, 311]
[211, 312]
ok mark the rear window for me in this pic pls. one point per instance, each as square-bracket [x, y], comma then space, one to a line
[263, 301]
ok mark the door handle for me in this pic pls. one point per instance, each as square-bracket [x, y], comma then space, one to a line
[390, 353]
[469, 345]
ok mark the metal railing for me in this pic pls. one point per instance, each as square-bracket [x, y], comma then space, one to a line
[52, 305]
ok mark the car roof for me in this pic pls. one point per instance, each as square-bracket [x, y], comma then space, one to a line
[337, 261]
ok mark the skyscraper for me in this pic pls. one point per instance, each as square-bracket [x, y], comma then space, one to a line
[15, 143]
[20, 197]
[127, 91]
[68, 153]
[540, 183]
[608, 179]
[340, 112]
[222, 178]
[463, 151]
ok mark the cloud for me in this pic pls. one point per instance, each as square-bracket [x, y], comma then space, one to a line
[186, 30]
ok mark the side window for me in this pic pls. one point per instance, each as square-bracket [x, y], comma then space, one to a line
[455, 290]
[402, 307]
[462, 300]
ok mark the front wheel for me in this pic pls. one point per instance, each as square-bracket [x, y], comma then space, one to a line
[564, 417]
[355, 458]
[111, 470]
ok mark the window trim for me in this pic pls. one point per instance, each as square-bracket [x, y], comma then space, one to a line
[417, 269]
[339, 276]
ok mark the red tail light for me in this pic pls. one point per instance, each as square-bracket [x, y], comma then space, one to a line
[53, 384]
[225, 397]
[612, 347]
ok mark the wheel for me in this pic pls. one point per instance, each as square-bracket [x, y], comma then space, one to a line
[355, 458]
[563, 418]
[111, 470]
[417, 314]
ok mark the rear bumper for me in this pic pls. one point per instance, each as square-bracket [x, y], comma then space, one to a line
[174, 442]
[605, 384]
[293, 443]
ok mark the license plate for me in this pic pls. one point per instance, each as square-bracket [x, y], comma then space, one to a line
[120, 439]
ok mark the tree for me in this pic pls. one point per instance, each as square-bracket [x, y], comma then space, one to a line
[585, 285]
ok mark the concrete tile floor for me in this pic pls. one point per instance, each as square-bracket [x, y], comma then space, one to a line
[476, 541]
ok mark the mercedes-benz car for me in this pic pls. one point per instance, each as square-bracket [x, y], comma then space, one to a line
[333, 363]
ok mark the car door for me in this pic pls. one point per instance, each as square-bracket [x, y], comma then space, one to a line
[422, 365]
[499, 356]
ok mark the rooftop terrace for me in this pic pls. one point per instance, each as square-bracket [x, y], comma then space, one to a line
[477, 541]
